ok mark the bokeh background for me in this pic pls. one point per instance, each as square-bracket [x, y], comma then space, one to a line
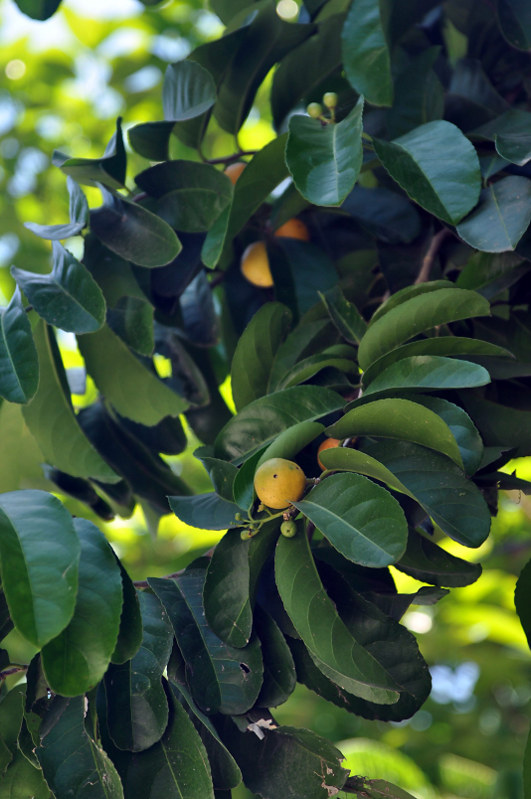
[63, 83]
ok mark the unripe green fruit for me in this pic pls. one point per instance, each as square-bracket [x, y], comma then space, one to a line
[288, 529]
[245, 535]
[330, 99]
[314, 110]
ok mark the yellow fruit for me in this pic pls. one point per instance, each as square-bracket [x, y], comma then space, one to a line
[233, 171]
[255, 265]
[330, 99]
[326, 444]
[293, 229]
[279, 482]
[314, 110]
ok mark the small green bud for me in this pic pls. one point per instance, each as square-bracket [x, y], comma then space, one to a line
[238, 517]
[314, 110]
[288, 529]
[246, 534]
[330, 99]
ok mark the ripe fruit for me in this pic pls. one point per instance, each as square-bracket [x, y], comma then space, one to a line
[288, 529]
[293, 229]
[233, 171]
[255, 265]
[314, 110]
[279, 482]
[326, 444]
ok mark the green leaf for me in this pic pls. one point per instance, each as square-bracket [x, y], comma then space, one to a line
[332, 647]
[522, 600]
[38, 9]
[386, 214]
[190, 196]
[39, 555]
[462, 427]
[291, 441]
[433, 480]
[359, 518]
[68, 297]
[502, 216]
[76, 660]
[527, 768]
[22, 779]
[436, 166]
[176, 767]
[344, 314]
[279, 669]
[130, 632]
[205, 511]
[414, 316]
[188, 91]
[426, 561]
[366, 52]
[428, 373]
[134, 390]
[71, 760]
[132, 320]
[137, 706]
[262, 420]
[514, 19]
[399, 419]
[79, 214]
[407, 293]
[108, 170]
[419, 94]
[225, 679]
[255, 352]
[11, 717]
[133, 232]
[300, 270]
[325, 161]
[226, 598]
[19, 363]
[151, 139]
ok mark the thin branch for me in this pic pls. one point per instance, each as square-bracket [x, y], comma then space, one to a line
[427, 262]
[228, 159]
[11, 670]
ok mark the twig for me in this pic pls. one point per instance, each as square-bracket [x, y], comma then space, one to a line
[427, 262]
[12, 670]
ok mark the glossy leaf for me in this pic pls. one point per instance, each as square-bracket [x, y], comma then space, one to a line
[407, 293]
[133, 232]
[39, 572]
[19, 364]
[226, 598]
[151, 139]
[263, 419]
[344, 314]
[462, 427]
[255, 353]
[359, 518]
[514, 19]
[399, 419]
[205, 511]
[109, 170]
[365, 52]
[134, 390]
[187, 92]
[225, 679]
[279, 668]
[332, 647]
[291, 441]
[68, 297]
[428, 373]
[76, 660]
[522, 600]
[426, 561]
[414, 316]
[74, 765]
[436, 166]
[79, 214]
[502, 216]
[325, 161]
[137, 707]
[130, 631]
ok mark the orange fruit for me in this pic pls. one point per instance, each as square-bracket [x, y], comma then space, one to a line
[327, 444]
[233, 171]
[255, 265]
[279, 482]
[293, 229]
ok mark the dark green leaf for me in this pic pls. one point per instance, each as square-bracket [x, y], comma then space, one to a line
[109, 170]
[68, 297]
[428, 562]
[300, 270]
[279, 668]
[332, 647]
[130, 632]
[79, 214]
[510, 134]
[436, 166]
[255, 352]
[137, 707]
[39, 571]
[366, 53]
[462, 427]
[225, 679]
[243, 489]
[132, 320]
[76, 660]
[419, 94]
[11, 717]
[428, 373]
[226, 598]
[384, 213]
[359, 518]
[500, 425]
[514, 18]
[502, 216]
[263, 419]
[133, 232]
[134, 390]
[325, 160]
[74, 765]
[205, 511]
[291, 441]
[19, 364]
[38, 9]
[151, 139]
[399, 419]
[188, 91]
[22, 779]
[344, 314]
[522, 600]
[414, 316]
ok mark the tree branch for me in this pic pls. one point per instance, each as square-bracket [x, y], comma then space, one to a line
[427, 262]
